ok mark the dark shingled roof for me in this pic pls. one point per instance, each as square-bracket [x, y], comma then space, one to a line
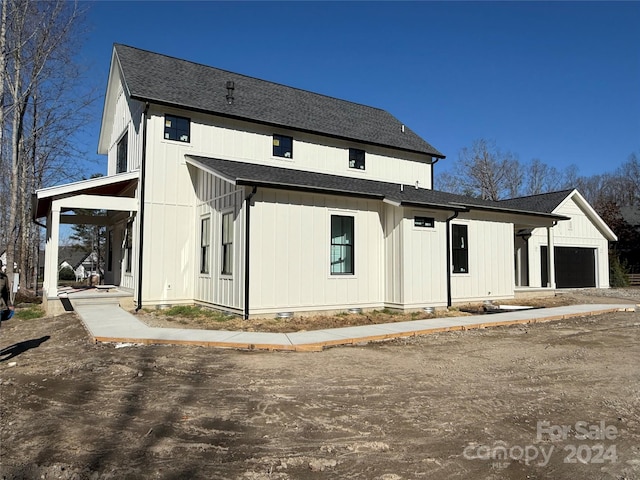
[170, 81]
[544, 202]
[284, 178]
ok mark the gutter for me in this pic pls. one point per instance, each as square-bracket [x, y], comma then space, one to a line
[455, 215]
[247, 249]
[143, 162]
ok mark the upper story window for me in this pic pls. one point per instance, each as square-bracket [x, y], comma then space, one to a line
[282, 146]
[424, 222]
[356, 158]
[177, 128]
[460, 248]
[123, 146]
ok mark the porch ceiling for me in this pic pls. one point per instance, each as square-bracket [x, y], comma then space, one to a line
[110, 186]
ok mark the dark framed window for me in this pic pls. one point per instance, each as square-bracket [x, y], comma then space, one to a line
[110, 252]
[424, 222]
[123, 147]
[460, 248]
[282, 146]
[227, 243]
[128, 246]
[177, 128]
[356, 158]
[205, 244]
[341, 245]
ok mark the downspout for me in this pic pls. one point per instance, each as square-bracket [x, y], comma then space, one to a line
[449, 257]
[434, 160]
[247, 249]
[143, 162]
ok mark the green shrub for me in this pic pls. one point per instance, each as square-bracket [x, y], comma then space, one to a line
[617, 272]
[66, 273]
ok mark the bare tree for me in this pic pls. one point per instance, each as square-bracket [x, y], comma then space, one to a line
[483, 171]
[38, 78]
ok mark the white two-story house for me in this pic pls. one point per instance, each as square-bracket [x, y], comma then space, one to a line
[257, 198]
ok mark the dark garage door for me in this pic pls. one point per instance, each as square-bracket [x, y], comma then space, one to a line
[575, 267]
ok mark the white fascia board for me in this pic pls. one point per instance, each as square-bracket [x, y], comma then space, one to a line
[71, 188]
[591, 214]
[97, 202]
[191, 161]
[115, 77]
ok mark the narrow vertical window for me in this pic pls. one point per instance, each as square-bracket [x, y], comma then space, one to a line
[123, 146]
[356, 158]
[110, 252]
[205, 244]
[341, 245]
[177, 128]
[282, 146]
[128, 245]
[227, 243]
[460, 248]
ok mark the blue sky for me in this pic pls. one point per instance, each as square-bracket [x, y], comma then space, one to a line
[550, 80]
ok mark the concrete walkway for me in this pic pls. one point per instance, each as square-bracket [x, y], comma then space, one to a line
[110, 323]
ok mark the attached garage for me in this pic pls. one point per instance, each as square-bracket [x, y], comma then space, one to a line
[575, 267]
[580, 243]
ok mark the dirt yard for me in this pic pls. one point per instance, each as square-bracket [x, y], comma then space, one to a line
[557, 400]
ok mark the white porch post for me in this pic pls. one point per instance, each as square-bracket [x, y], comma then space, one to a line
[551, 259]
[50, 283]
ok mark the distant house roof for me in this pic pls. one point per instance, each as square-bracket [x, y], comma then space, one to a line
[241, 173]
[544, 202]
[73, 255]
[165, 80]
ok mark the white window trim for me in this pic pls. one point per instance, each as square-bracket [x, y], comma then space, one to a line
[342, 213]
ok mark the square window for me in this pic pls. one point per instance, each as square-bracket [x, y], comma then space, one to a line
[356, 158]
[177, 128]
[123, 146]
[341, 245]
[460, 248]
[282, 146]
[424, 222]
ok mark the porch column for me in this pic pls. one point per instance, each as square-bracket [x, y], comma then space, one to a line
[551, 258]
[50, 282]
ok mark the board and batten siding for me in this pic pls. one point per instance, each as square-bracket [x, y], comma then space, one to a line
[215, 198]
[290, 253]
[127, 118]
[577, 232]
[491, 261]
[237, 140]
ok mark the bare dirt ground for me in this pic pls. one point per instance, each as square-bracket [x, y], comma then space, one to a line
[500, 403]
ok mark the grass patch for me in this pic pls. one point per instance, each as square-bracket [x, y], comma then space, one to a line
[29, 313]
[195, 312]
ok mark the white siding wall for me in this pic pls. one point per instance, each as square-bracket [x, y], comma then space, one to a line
[577, 232]
[491, 267]
[425, 260]
[290, 245]
[128, 117]
[241, 141]
[216, 197]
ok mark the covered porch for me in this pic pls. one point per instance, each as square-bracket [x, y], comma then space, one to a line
[112, 199]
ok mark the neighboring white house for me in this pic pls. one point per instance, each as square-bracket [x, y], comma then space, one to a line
[258, 198]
